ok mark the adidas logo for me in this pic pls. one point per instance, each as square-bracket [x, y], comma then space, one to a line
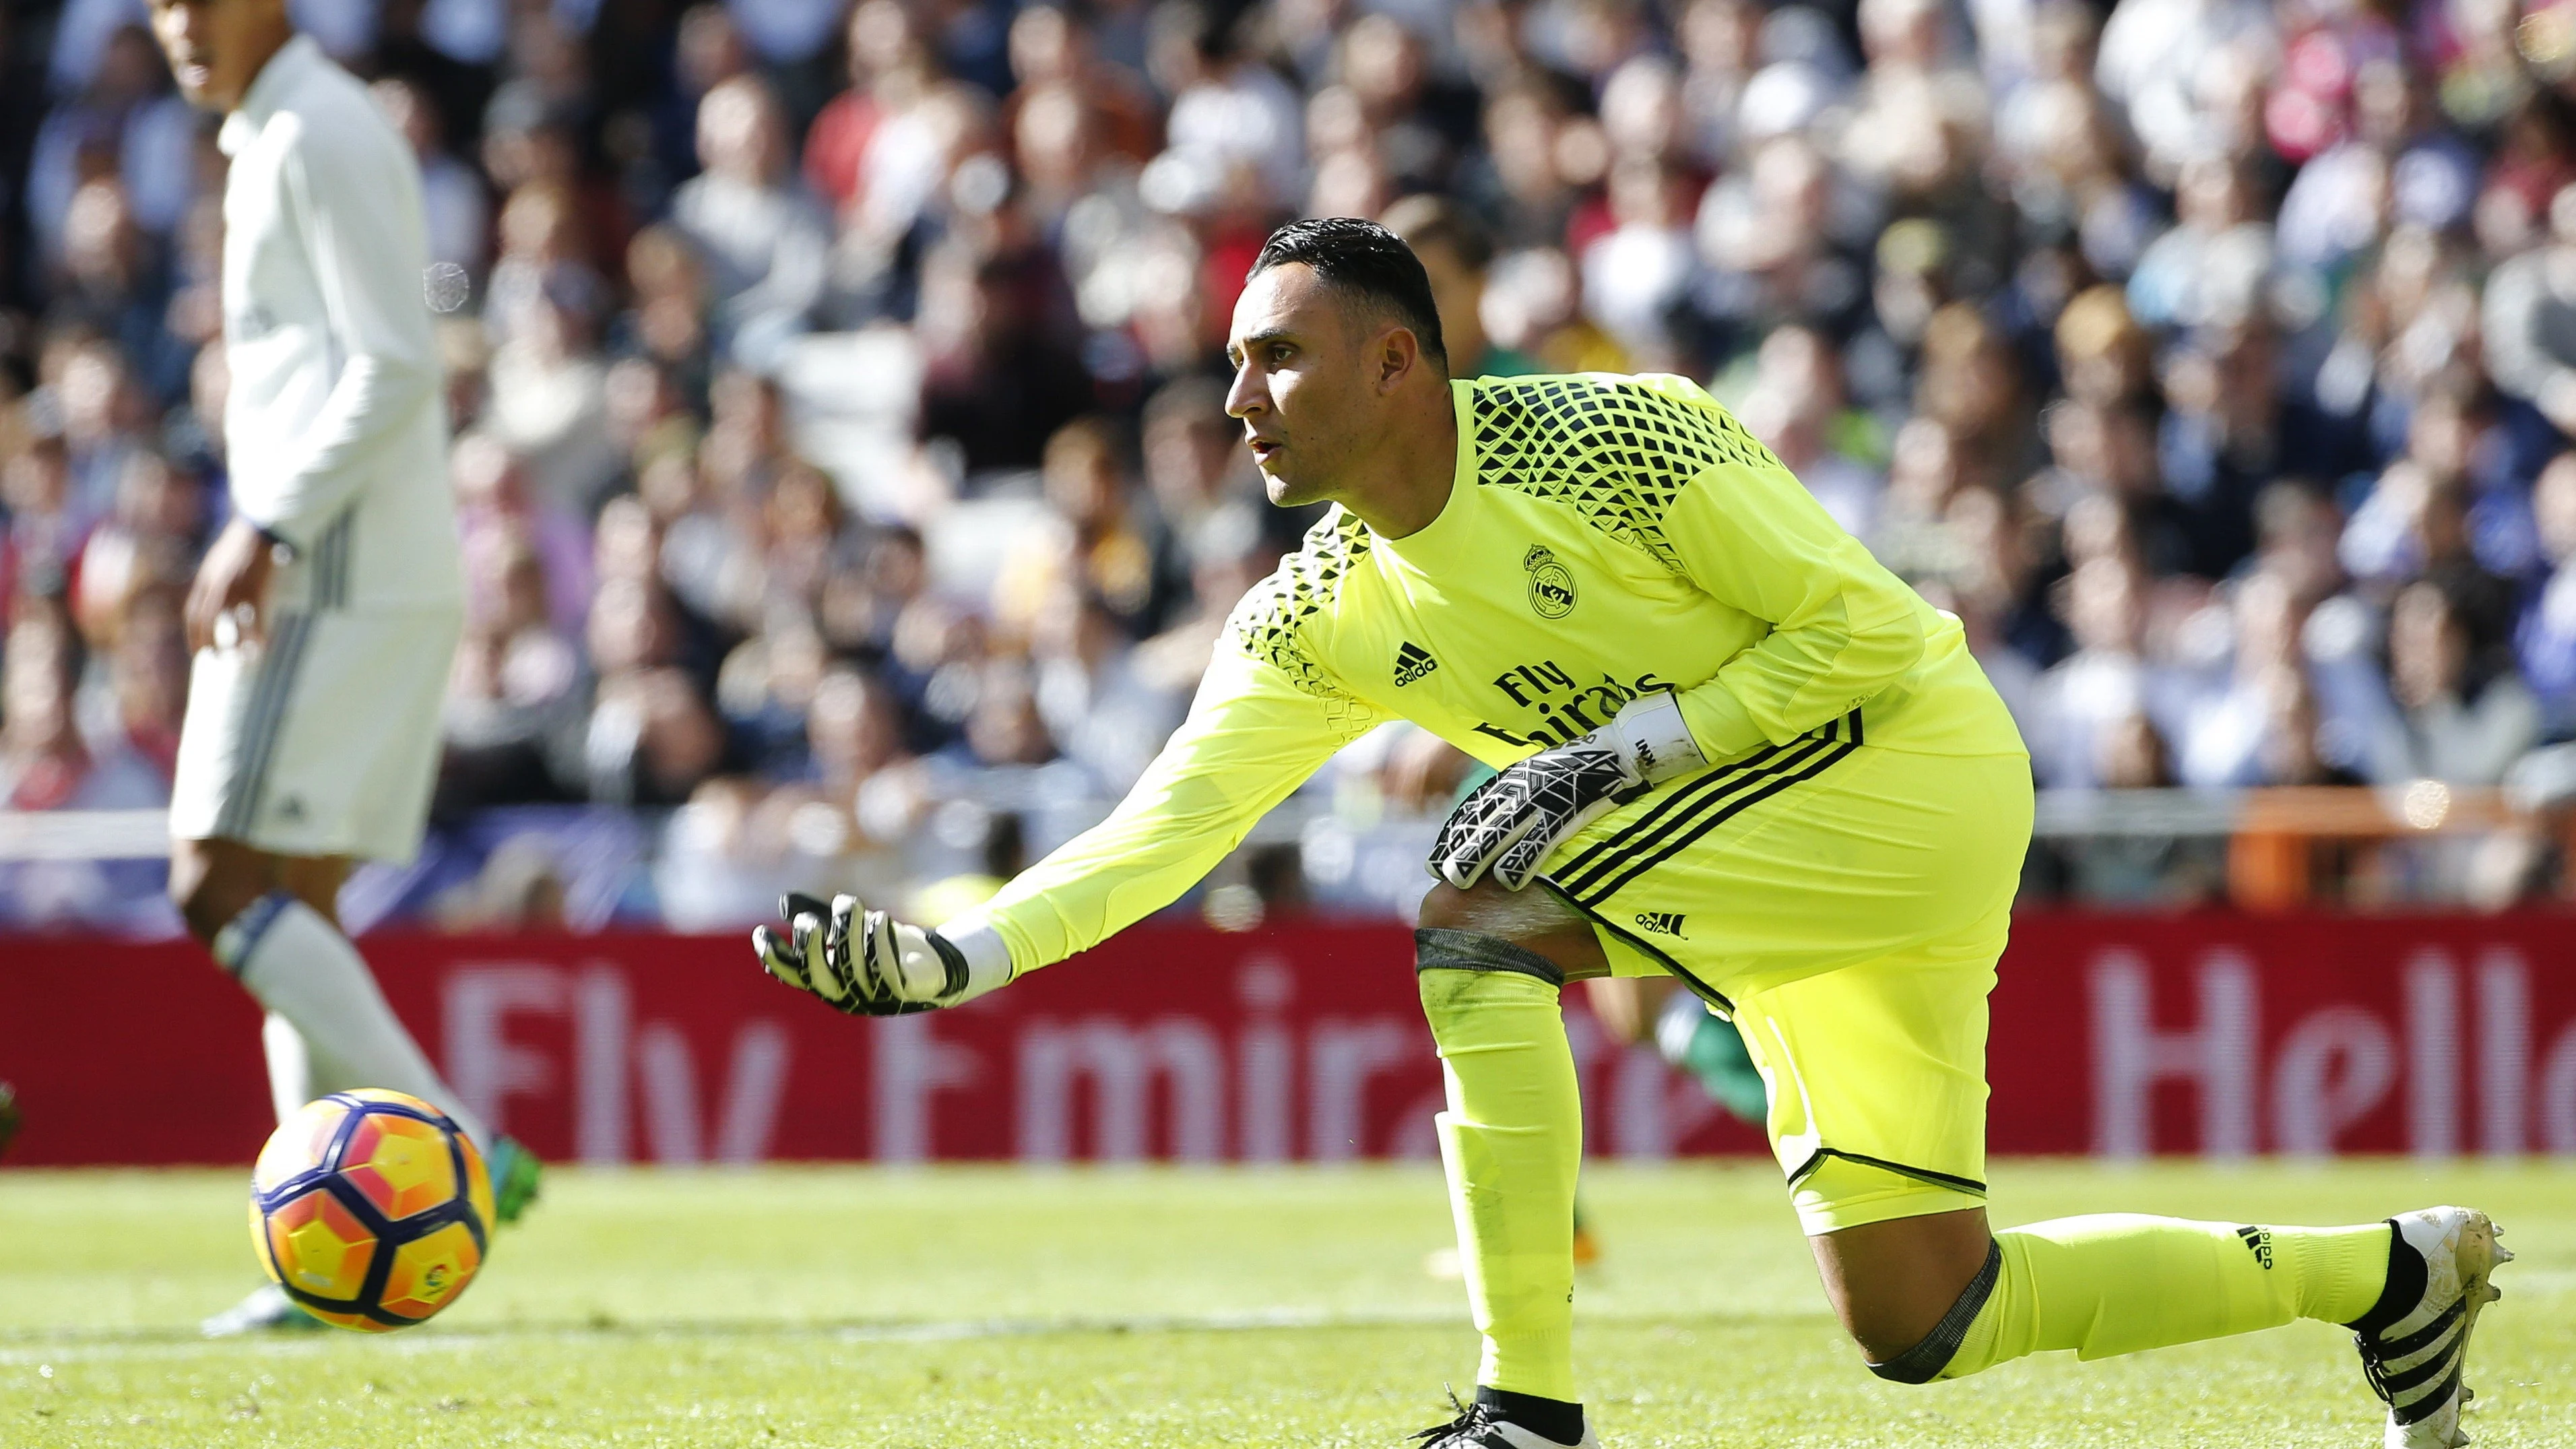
[2258, 1241]
[1412, 661]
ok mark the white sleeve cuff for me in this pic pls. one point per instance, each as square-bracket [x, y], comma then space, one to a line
[1651, 729]
[988, 956]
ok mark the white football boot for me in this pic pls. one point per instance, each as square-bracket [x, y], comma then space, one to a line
[2415, 1341]
[267, 1309]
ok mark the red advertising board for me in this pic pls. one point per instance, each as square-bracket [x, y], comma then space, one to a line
[2117, 1035]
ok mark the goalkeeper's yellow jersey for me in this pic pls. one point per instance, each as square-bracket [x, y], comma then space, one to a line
[1605, 536]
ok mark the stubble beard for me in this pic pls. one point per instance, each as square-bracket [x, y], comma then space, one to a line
[1313, 481]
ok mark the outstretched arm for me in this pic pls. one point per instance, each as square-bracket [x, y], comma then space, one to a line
[1251, 738]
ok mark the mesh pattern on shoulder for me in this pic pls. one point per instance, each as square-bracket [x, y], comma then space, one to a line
[1270, 623]
[1619, 453]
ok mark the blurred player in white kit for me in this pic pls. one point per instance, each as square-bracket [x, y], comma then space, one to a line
[325, 614]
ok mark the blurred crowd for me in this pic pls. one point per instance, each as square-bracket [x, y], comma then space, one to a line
[2213, 360]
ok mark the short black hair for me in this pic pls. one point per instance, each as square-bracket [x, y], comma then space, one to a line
[1362, 258]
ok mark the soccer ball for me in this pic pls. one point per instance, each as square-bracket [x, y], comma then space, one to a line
[370, 1209]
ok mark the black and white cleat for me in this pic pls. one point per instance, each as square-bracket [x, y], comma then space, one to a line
[1480, 1425]
[2415, 1341]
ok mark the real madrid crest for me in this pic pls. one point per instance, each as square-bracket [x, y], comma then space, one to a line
[1551, 584]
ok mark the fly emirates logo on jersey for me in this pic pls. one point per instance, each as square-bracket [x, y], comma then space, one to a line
[1557, 706]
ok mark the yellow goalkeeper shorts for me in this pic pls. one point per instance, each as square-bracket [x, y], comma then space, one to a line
[1845, 904]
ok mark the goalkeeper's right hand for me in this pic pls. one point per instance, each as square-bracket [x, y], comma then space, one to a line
[866, 963]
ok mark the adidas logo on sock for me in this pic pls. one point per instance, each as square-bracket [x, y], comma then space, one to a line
[1412, 661]
[2258, 1241]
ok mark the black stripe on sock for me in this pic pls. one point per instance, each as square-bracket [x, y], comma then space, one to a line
[1554, 1419]
[1924, 1361]
[2402, 1291]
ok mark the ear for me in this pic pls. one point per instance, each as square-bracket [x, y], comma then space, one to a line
[1399, 355]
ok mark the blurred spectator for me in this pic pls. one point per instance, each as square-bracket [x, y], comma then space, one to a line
[2170, 63]
[1228, 111]
[2530, 328]
[848, 474]
[45, 763]
[888, 69]
[452, 193]
[42, 528]
[2085, 712]
[1094, 540]
[2467, 717]
[997, 381]
[1457, 254]
[1798, 409]
[762, 238]
[2545, 634]
[121, 121]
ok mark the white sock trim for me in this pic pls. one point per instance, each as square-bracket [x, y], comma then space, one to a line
[242, 934]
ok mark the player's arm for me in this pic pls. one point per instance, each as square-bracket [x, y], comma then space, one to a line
[356, 210]
[1251, 738]
[1842, 627]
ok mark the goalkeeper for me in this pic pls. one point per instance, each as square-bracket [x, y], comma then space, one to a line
[1732, 749]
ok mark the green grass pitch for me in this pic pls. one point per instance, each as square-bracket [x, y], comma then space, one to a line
[942, 1308]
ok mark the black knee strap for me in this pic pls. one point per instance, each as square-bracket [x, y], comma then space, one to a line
[1436, 949]
[1924, 1361]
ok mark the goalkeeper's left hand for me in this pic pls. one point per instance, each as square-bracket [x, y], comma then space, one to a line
[1513, 821]
[866, 963]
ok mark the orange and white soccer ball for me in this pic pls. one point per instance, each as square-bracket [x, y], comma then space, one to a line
[371, 1209]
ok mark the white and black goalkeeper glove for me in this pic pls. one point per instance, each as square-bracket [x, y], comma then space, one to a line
[866, 963]
[1509, 824]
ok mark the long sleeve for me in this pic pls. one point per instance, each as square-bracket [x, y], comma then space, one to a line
[1843, 627]
[360, 223]
[1252, 737]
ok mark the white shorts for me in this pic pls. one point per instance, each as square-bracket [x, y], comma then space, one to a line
[323, 741]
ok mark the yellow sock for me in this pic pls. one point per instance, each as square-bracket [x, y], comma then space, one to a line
[2121, 1282]
[1512, 1141]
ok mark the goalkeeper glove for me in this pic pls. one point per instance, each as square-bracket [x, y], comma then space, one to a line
[866, 963]
[1511, 823]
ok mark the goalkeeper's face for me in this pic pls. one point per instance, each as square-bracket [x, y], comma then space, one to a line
[1312, 385]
